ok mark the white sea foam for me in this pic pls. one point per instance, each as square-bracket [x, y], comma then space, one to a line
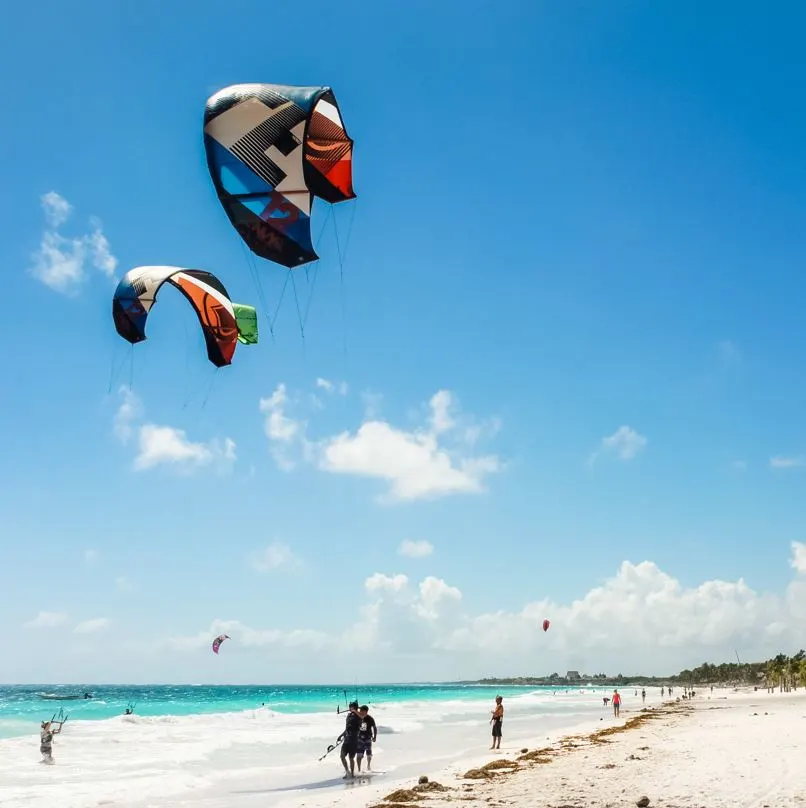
[263, 757]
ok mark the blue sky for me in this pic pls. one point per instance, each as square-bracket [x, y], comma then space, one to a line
[570, 220]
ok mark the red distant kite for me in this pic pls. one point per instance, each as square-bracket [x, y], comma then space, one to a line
[546, 624]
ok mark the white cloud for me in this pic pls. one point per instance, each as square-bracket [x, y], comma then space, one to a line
[57, 208]
[282, 431]
[93, 626]
[273, 557]
[61, 261]
[129, 411]
[90, 556]
[47, 620]
[798, 561]
[123, 584]
[167, 445]
[625, 444]
[428, 625]
[330, 387]
[415, 549]
[779, 462]
[416, 464]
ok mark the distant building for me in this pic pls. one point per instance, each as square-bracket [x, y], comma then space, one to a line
[572, 675]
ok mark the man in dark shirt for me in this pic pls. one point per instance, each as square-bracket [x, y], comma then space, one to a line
[367, 733]
[349, 744]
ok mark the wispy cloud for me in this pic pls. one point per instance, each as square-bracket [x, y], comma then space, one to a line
[47, 620]
[61, 262]
[273, 557]
[93, 626]
[433, 460]
[331, 387]
[90, 556]
[415, 549]
[624, 444]
[167, 445]
[782, 462]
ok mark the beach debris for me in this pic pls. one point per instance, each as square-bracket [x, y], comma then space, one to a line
[607, 766]
[427, 786]
[415, 794]
[402, 795]
[423, 779]
[524, 750]
[643, 802]
[536, 756]
[490, 770]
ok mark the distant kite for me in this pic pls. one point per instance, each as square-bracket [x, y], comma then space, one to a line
[546, 624]
[223, 322]
[218, 640]
[270, 149]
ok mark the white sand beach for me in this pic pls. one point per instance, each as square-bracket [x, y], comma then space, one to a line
[722, 750]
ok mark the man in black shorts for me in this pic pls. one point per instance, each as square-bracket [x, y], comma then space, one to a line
[367, 733]
[349, 744]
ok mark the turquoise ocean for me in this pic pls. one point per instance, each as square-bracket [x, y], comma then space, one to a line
[22, 707]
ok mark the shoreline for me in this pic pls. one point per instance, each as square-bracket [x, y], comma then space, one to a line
[738, 749]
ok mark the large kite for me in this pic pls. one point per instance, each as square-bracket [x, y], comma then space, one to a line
[218, 640]
[223, 322]
[270, 149]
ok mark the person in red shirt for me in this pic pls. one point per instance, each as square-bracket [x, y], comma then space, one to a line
[616, 703]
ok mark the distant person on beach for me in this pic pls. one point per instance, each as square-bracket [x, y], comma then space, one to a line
[661, 692]
[616, 703]
[367, 733]
[605, 700]
[349, 745]
[496, 720]
[46, 733]
[643, 695]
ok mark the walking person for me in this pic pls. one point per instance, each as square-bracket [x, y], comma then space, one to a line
[367, 733]
[496, 720]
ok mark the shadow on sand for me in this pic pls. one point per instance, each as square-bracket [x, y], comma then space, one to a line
[329, 783]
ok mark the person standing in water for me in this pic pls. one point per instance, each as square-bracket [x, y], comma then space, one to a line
[46, 733]
[616, 703]
[496, 720]
[349, 744]
[367, 733]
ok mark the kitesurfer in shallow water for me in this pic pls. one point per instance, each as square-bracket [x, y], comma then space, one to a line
[367, 733]
[349, 745]
[46, 733]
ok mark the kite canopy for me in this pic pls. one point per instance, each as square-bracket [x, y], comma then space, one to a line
[137, 293]
[246, 318]
[546, 624]
[270, 149]
[218, 640]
